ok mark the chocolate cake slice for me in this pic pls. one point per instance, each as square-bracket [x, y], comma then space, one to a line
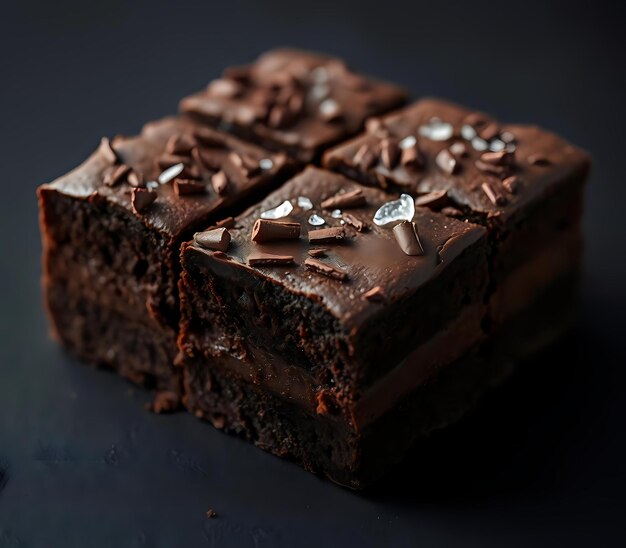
[329, 304]
[112, 230]
[523, 183]
[293, 101]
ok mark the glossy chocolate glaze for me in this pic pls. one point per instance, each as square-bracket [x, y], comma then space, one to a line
[242, 101]
[540, 159]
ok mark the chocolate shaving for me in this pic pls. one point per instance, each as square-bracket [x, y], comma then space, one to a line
[180, 145]
[494, 196]
[266, 230]
[107, 150]
[345, 200]
[117, 175]
[325, 269]
[389, 153]
[436, 198]
[256, 258]
[501, 158]
[446, 161]
[364, 158]
[408, 239]
[375, 295]
[216, 239]
[228, 222]
[184, 187]
[327, 235]
[318, 252]
[219, 182]
[351, 220]
[135, 179]
[511, 184]
[141, 199]
[411, 157]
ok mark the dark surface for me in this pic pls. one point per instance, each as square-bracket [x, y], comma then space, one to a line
[81, 462]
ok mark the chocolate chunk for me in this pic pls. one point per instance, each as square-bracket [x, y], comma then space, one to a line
[216, 239]
[327, 235]
[256, 258]
[135, 179]
[411, 157]
[408, 238]
[436, 198]
[219, 182]
[511, 184]
[265, 230]
[107, 151]
[325, 269]
[351, 220]
[375, 295]
[141, 199]
[117, 175]
[317, 252]
[494, 196]
[364, 158]
[446, 161]
[184, 187]
[389, 153]
[345, 200]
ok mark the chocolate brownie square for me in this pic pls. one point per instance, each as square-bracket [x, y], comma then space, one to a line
[293, 101]
[325, 305]
[112, 230]
[523, 183]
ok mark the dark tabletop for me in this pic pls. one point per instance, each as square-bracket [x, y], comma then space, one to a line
[83, 464]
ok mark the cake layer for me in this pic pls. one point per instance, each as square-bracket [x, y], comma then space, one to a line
[328, 445]
[293, 101]
[353, 311]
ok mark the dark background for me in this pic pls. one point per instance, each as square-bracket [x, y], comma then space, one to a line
[83, 464]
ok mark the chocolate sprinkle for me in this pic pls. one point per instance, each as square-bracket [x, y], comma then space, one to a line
[495, 197]
[511, 184]
[317, 252]
[408, 239]
[345, 200]
[446, 161]
[184, 187]
[327, 235]
[265, 230]
[325, 269]
[257, 258]
[389, 153]
[219, 182]
[436, 198]
[107, 150]
[216, 239]
[375, 295]
[351, 220]
[117, 175]
[141, 199]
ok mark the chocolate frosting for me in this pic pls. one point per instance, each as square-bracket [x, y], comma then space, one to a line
[292, 100]
[171, 214]
[518, 165]
[369, 259]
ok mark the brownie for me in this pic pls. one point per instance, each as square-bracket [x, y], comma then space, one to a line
[112, 230]
[523, 183]
[293, 101]
[336, 298]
